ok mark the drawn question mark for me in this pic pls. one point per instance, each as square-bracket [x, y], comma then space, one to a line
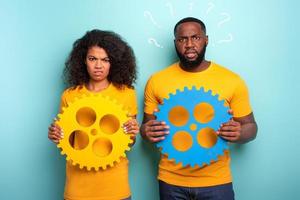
[191, 5]
[171, 8]
[153, 41]
[210, 7]
[227, 40]
[149, 15]
[226, 19]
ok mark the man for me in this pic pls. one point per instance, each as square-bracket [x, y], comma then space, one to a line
[211, 181]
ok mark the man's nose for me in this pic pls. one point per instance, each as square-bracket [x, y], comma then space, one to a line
[189, 42]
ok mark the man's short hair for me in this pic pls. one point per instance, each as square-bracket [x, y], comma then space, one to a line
[190, 19]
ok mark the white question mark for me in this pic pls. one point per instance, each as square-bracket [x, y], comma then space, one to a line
[226, 19]
[153, 41]
[210, 7]
[191, 5]
[149, 15]
[172, 12]
[227, 40]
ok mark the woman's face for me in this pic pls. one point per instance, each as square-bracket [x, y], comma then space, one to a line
[97, 63]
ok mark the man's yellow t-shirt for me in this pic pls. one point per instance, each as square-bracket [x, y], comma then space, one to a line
[109, 184]
[220, 80]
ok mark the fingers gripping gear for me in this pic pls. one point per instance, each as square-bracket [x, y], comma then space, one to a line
[93, 136]
[193, 116]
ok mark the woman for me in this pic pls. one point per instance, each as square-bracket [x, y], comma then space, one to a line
[100, 62]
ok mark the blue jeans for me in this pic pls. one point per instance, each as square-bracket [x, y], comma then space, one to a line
[173, 192]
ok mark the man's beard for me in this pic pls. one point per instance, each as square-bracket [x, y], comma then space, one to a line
[188, 64]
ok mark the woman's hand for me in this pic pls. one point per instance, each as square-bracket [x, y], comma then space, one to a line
[131, 127]
[55, 133]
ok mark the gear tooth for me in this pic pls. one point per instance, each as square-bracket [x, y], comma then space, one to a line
[59, 116]
[217, 96]
[177, 91]
[104, 167]
[96, 169]
[185, 89]
[194, 88]
[64, 153]
[73, 163]
[80, 166]
[88, 168]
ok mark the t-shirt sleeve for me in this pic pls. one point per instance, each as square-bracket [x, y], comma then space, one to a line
[150, 100]
[240, 103]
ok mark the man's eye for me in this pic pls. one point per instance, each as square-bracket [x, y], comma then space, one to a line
[196, 38]
[181, 40]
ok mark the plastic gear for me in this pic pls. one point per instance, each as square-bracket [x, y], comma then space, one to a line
[97, 120]
[190, 127]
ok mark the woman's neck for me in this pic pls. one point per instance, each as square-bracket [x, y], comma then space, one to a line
[97, 86]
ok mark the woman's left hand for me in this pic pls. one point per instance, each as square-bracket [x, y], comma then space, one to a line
[131, 127]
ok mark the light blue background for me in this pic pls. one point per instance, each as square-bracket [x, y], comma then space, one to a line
[36, 36]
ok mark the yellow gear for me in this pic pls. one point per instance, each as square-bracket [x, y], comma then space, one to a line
[96, 121]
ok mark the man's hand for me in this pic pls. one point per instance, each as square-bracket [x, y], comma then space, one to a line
[154, 131]
[238, 129]
[230, 131]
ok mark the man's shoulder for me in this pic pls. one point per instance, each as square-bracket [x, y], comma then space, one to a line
[224, 70]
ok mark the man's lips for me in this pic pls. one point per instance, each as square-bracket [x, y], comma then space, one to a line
[190, 54]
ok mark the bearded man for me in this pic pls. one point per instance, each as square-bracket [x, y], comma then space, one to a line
[212, 181]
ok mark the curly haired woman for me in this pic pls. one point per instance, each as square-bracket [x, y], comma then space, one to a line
[100, 62]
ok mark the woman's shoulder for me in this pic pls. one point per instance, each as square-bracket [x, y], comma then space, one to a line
[74, 90]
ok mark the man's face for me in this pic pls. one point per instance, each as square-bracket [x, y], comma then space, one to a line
[190, 44]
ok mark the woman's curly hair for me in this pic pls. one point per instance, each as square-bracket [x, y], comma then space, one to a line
[121, 57]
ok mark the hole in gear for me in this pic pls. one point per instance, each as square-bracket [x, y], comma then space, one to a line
[78, 140]
[182, 141]
[207, 137]
[204, 112]
[178, 116]
[102, 147]
[94, 131]
[109, 124]
[85, 116]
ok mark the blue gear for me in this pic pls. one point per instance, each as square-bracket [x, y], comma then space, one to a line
[196, 154]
